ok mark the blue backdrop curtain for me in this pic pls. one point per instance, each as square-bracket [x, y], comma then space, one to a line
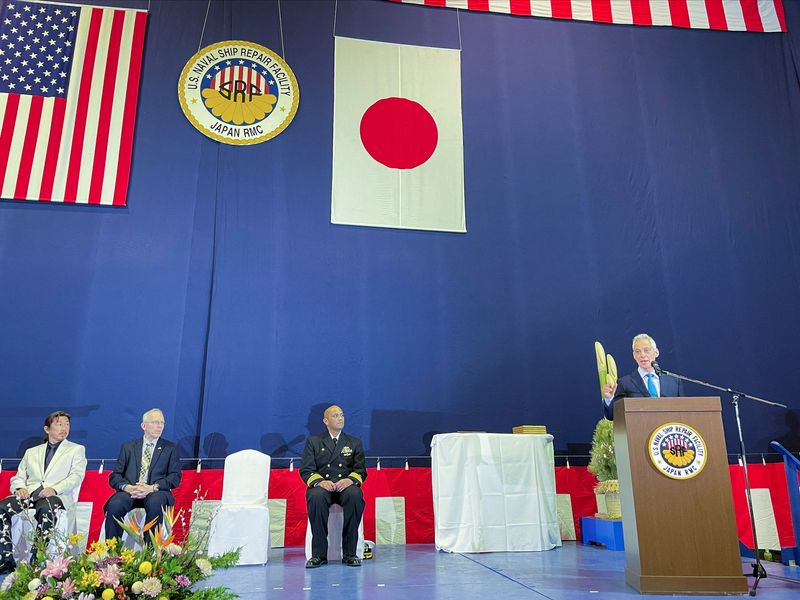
[618, 180]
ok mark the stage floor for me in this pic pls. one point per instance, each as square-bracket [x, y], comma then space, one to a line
[419, 572]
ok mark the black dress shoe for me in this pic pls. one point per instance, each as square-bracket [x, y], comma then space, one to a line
[316, 561]
[7, 566]
[352, 561]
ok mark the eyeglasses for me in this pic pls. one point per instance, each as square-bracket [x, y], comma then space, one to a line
[643, 351]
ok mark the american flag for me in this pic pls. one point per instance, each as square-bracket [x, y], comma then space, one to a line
[763, 16]
[680, 443]
[69, 79]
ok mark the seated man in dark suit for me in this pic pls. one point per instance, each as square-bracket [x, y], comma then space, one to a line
[146, 470]
[643, 382]
[333, 469]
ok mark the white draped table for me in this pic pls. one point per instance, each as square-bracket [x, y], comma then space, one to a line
[494, 492]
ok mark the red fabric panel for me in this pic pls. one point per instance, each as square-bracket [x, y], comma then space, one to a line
[5, 483]
[716, 15]
[287, 484]
[772, 477]
[601, 11]
[520, 7]
[482, 5]
[579, 484]
[415, 486]
[95, 489]
[752, 18]
[640, 11]
[206, 485]
[562, 9]
[679, 13]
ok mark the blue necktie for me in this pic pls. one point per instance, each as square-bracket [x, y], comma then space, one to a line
[651, 385]
[51, 450]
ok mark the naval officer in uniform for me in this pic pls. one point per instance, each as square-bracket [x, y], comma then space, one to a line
[333, 469]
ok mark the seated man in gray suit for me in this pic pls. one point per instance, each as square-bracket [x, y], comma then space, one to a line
[146, 470]
[46, 480]
[643, 382]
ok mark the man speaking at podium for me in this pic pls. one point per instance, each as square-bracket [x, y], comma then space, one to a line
[644, 382]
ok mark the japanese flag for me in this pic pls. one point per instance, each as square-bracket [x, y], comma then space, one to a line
[398, 157]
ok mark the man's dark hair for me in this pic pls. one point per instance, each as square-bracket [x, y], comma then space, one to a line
[55, 415]
[48, 420]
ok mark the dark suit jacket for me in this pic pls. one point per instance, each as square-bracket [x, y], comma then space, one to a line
[165, 466]
[320, 461]
[632, 386]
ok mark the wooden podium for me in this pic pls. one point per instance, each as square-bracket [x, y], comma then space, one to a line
[680, 534]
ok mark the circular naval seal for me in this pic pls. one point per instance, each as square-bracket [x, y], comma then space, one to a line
[238, 92]
[677, 451]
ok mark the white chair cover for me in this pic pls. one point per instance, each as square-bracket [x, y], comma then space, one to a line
[243, 516]
[335, 522]
[22, 530]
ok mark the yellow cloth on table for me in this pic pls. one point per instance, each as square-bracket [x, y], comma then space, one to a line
[535, 429]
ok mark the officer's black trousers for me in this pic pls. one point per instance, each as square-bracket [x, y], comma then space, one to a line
[319, 503]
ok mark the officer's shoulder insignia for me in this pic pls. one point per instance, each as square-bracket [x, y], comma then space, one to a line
[677, 451]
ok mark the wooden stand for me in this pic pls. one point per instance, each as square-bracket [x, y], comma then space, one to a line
[680, 534]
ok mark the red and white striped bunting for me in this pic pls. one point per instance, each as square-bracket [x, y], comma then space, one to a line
[763, 16]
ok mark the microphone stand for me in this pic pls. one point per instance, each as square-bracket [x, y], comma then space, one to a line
[759, 572]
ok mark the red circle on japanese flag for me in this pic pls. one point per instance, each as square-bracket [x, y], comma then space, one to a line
[399, 133]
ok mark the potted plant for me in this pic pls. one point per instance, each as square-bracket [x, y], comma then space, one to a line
[603, 465]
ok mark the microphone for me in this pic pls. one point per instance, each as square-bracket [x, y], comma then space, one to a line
[656, 368]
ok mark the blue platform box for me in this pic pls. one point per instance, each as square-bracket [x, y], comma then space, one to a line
[602, 531]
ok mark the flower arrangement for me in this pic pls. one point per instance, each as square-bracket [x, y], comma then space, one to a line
[161, 570]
